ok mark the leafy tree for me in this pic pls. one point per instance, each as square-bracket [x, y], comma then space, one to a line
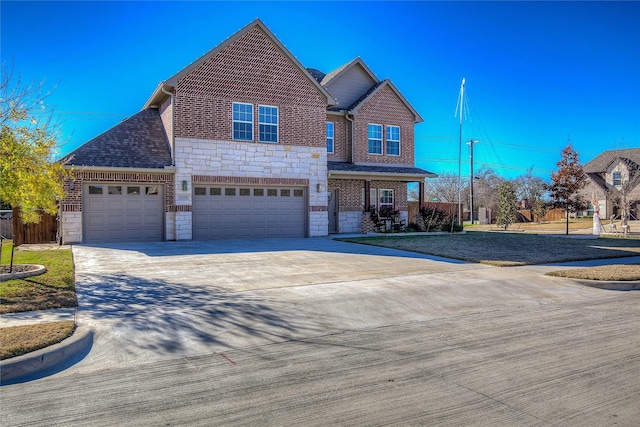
[567, 182]
[539, 210]
[507, 205]
[29, 178]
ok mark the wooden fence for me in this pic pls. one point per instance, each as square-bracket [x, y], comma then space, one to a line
[551, 215]
[414, 207]
[42, 232]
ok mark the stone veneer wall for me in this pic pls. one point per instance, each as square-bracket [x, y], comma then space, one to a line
[200, 160]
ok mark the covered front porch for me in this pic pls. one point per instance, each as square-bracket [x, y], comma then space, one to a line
[356, 191]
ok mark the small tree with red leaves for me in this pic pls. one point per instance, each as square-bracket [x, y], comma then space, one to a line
[567, 182]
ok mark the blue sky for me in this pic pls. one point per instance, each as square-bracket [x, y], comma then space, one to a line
[537, 73]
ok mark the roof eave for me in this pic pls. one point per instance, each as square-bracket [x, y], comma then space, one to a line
[387, 82]
[158, 96]
[404, 177]
[83, 168]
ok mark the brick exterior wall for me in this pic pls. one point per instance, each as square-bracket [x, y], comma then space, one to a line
[253, 70]
[166, 115]
[71, 205]
[384, 108]
[341, 138]
[350, 203]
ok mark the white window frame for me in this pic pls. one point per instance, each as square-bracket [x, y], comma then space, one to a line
[276, 125]
[238, 120]
[330, 138]
[373, 197]
[613, 178]
[391, 194]
[388, 134]
[369, 139]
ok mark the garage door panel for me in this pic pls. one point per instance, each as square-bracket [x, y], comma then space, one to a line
[123, 213]
[241, 212]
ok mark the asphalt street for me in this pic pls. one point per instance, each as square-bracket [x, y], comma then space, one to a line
[318, 332]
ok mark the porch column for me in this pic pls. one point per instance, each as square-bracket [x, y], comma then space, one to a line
[420, 193]
[367, 196]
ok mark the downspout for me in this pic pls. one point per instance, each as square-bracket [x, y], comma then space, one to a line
[173, 140]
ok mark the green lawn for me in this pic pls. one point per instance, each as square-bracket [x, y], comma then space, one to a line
[507, 249]
[53, 289]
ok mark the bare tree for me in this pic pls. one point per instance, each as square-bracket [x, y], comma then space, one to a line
[444, 188]
[485, 188]
[531, 188]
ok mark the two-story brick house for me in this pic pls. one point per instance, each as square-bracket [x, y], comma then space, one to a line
[613, 180]
[244, 143]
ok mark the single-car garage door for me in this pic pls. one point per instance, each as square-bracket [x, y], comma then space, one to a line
[228, 212]
[115, 213]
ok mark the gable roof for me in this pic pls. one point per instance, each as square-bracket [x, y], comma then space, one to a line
[326, 80]
[353, 108]
[601, 163]
[137, 142]
[160, 95]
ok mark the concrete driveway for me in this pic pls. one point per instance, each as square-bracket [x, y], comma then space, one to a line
[316, 332]
[160, 301]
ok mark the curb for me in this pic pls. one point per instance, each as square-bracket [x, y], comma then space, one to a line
[611, 286]
[40, 269]
[31, 365]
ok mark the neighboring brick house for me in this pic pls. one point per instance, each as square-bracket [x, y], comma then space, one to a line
[613, 177]
[235, 146]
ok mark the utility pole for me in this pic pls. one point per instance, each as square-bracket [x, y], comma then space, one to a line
[470, 144]
[461, 105]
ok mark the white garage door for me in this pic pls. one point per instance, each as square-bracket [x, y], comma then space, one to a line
[115, 213]
[228, 212]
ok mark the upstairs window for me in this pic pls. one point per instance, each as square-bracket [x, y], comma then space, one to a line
[393, 140]
[242, 121]
[268, 123]
[329, 137]
[617, 179]
[375, 139]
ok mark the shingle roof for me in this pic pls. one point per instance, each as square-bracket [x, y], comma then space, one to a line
[376, 169]
[137, 142]
[316, 74]
[602, 162]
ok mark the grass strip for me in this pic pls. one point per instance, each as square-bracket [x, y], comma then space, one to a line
[19, 340]
[612, 273]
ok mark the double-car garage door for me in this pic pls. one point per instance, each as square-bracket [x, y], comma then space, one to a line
[116, 213]
[123, 212]
[236, 211]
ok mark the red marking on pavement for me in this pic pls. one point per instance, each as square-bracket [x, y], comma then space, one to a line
[232, 362]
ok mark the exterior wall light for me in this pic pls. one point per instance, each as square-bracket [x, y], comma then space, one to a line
[319, 188]
[184, 185]
[72, 184]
